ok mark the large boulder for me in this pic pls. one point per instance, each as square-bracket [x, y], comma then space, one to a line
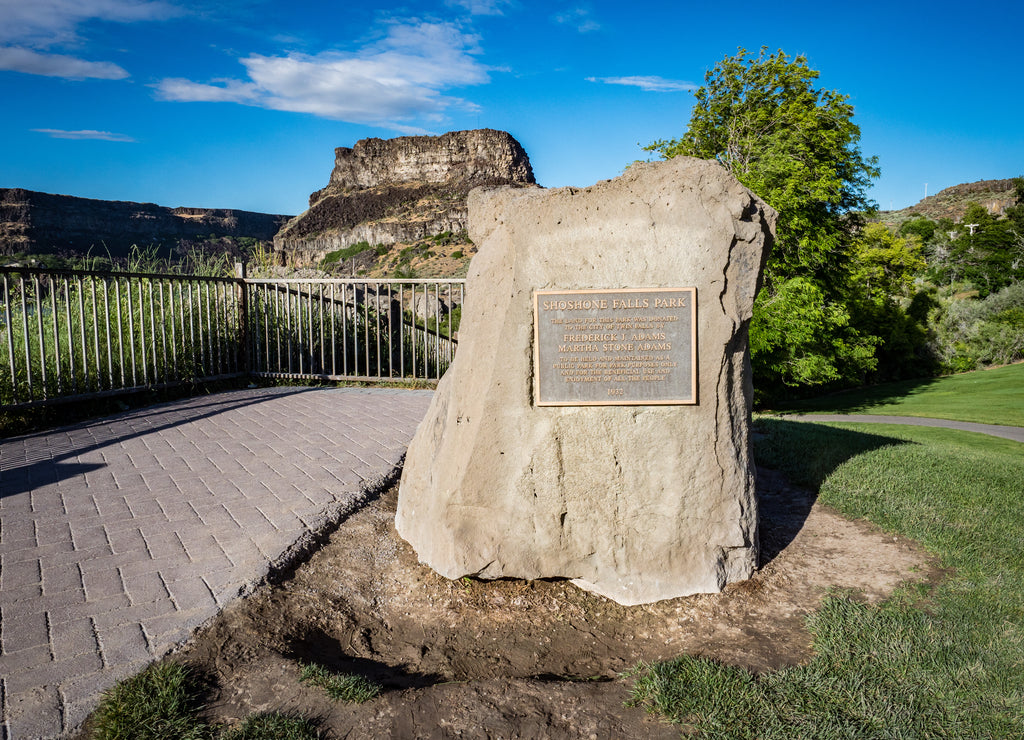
[636, 502]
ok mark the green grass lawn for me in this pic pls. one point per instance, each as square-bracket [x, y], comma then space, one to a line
[993, 396]
[931, 662]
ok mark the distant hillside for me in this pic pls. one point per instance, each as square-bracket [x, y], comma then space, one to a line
[995, 195]
[40, 223]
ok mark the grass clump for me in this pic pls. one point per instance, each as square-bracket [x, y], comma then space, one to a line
[340, 686]
[274, 726]
[341, 255]
[943, 661]
[158, 704]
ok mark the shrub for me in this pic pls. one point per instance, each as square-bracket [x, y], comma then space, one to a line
[972, 333]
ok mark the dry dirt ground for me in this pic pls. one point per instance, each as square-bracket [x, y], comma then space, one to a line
[512, 659]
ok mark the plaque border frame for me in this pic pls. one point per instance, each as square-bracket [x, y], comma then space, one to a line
[692, 401]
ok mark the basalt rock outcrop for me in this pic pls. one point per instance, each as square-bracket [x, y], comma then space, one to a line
[390, 191]
[42, 223]
[994, 195]
[637, 502]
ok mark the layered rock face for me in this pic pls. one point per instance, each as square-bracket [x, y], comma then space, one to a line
[41, 223]
[638, 502]
[389, 191]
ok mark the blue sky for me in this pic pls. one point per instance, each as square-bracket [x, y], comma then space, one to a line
[240, 104]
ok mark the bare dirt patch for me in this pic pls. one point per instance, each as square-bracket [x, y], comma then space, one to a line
[506, 659]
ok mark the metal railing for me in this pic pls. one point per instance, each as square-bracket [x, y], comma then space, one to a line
[352, 329]
[74, 334]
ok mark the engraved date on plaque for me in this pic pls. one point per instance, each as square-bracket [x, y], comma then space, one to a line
[635, 346]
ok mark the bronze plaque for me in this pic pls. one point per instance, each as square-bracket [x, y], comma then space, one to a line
[630, 347]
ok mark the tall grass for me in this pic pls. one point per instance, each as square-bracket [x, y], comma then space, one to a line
[74, 333]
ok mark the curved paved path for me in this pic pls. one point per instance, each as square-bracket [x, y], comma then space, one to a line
[119, 537]
[1014, 433]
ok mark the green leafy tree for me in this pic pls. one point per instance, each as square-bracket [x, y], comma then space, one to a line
[987, 252]
[885, 264]
[798, 337]
[884, 304]
[923, 228]
[797, 147]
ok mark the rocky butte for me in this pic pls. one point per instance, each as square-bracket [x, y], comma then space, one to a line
[390, 191]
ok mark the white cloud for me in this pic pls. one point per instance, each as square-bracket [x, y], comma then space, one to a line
[579, 17]
[31, 29]
[43, 23]
[481, 7]
[89, 134]
[399, 78]
[648, 83]
[15, 59]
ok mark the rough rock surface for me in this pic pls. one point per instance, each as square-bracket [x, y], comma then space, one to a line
[639, 503]
[387, 191]
[41, 223]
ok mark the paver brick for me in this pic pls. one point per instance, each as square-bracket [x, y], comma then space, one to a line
[67, 576]
[178, 511]
[88, 534]
[54, 671]
[165, 631]
[143, 587]
[147, 507]
[91, 609]
[53, 531]
[22, 661]
[34, 713]
[103, 583]
[124, 539]
[24, 631]
[113, 508]
[191, 593]
[101, 479]
[20, 571]
[79, 504]
[73, 637]
[163, 544]
[122, 642]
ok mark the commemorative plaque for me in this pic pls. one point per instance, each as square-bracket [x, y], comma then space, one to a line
[630, 347]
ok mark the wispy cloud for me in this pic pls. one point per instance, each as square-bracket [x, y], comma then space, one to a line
[482, 7]
[581, 18]
[648, 83]
[56, 133]
[390, 82]
[15, 59]
[32, 29]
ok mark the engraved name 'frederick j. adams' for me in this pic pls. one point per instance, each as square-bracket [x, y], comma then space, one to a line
[634, 346]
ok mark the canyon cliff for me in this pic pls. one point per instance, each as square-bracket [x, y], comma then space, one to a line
[400, 191]
[41, 223]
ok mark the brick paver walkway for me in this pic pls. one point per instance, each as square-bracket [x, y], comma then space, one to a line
[119, 537]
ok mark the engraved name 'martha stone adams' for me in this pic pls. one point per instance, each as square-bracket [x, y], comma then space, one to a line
[635, 346]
